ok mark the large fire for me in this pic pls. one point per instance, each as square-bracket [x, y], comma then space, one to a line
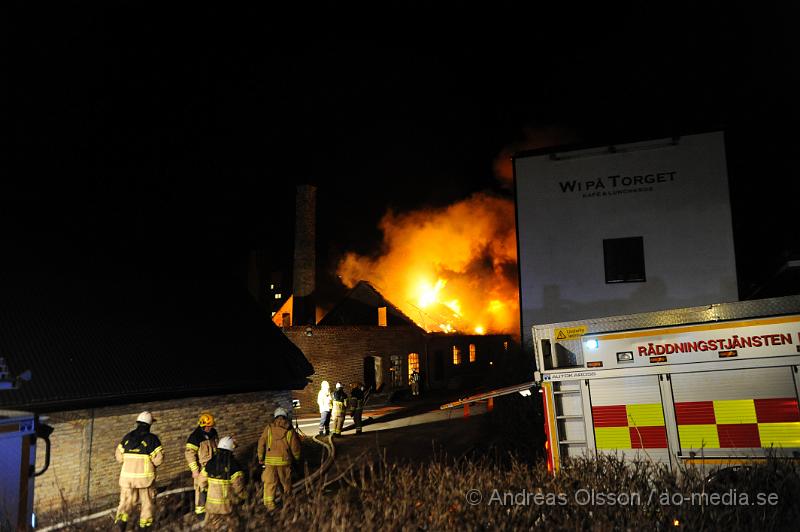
[452, 269]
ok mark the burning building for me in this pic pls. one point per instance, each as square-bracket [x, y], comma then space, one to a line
[441, 300]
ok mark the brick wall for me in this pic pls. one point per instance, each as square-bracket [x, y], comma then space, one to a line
[83, 472]
[337, 353]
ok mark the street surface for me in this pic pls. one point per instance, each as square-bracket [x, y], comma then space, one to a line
[413, 431]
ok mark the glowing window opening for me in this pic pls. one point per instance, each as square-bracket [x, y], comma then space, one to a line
[413, 364]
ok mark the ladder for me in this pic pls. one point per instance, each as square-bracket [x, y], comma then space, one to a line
[569, 418]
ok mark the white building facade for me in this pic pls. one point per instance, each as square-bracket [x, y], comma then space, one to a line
[622, 229]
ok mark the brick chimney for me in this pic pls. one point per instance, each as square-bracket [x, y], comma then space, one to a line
[305, 264]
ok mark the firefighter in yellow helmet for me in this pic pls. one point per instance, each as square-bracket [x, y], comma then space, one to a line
[200, 447]
[277, 447]
[222, 480]
[140, 454]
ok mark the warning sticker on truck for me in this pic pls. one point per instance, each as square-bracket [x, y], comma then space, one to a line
[570, 333]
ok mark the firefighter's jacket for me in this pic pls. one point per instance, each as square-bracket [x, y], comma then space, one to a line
[356, 401]
[200, 447]
[278, 444]
[223, 477]
[339, 401]
[140, 454]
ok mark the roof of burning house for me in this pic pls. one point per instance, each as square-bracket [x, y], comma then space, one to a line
[360, 307]
[94, 343]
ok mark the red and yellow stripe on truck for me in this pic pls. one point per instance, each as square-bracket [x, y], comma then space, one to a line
[639, 426]
[727, 424]
[740, 423]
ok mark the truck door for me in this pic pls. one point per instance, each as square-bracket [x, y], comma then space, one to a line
[737, 412]
[628, 417]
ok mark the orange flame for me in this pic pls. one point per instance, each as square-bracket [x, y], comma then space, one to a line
[449, 269]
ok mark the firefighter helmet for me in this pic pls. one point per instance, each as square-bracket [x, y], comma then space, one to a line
[206, 420]
[325, 385]
[338, 385]
[145, 417]
[227, 443]
[280, 411]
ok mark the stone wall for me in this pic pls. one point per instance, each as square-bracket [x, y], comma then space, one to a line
[83, 472]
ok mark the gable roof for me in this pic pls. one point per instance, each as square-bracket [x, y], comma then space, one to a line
[360, 307]
[99, 342]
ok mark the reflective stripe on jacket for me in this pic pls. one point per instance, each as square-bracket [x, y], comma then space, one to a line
[200, 447]
[224, 478]
[339, 401]
[278, 444]
[140, 453]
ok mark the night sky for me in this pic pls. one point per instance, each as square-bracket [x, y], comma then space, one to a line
[171, 142]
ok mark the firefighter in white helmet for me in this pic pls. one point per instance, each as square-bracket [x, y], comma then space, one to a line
[339, 405]
[200, 447]
[222, 480]
[277, 447]
[140, 454]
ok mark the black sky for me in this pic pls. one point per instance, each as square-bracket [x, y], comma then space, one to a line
[171, 139]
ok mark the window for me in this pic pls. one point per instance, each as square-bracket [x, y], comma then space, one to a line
[505, 345]
[413, 364]
[456, 355]
[382, 316]
[396, 371]
[278, 295]
[624, 259]
[472, 352]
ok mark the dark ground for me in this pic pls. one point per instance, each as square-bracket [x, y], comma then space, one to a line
[513, 426]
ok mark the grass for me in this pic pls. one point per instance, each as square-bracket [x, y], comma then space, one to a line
[516, 495]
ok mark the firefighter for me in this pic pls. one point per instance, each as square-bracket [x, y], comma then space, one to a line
[339, 402]
[222, 482]
[357, 402]
[277, 447]
[324, 402]
[200, 447]
[140, 454]
[415, 383]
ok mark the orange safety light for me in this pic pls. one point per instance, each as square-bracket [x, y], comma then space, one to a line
[595, 364]
[654, 360]
[728, 354]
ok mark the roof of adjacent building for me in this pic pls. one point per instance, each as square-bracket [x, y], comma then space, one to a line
[99, 342]
[360, 307]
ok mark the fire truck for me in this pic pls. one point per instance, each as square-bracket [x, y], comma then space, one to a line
[716, 385]
[711, 384]
[19, 432]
